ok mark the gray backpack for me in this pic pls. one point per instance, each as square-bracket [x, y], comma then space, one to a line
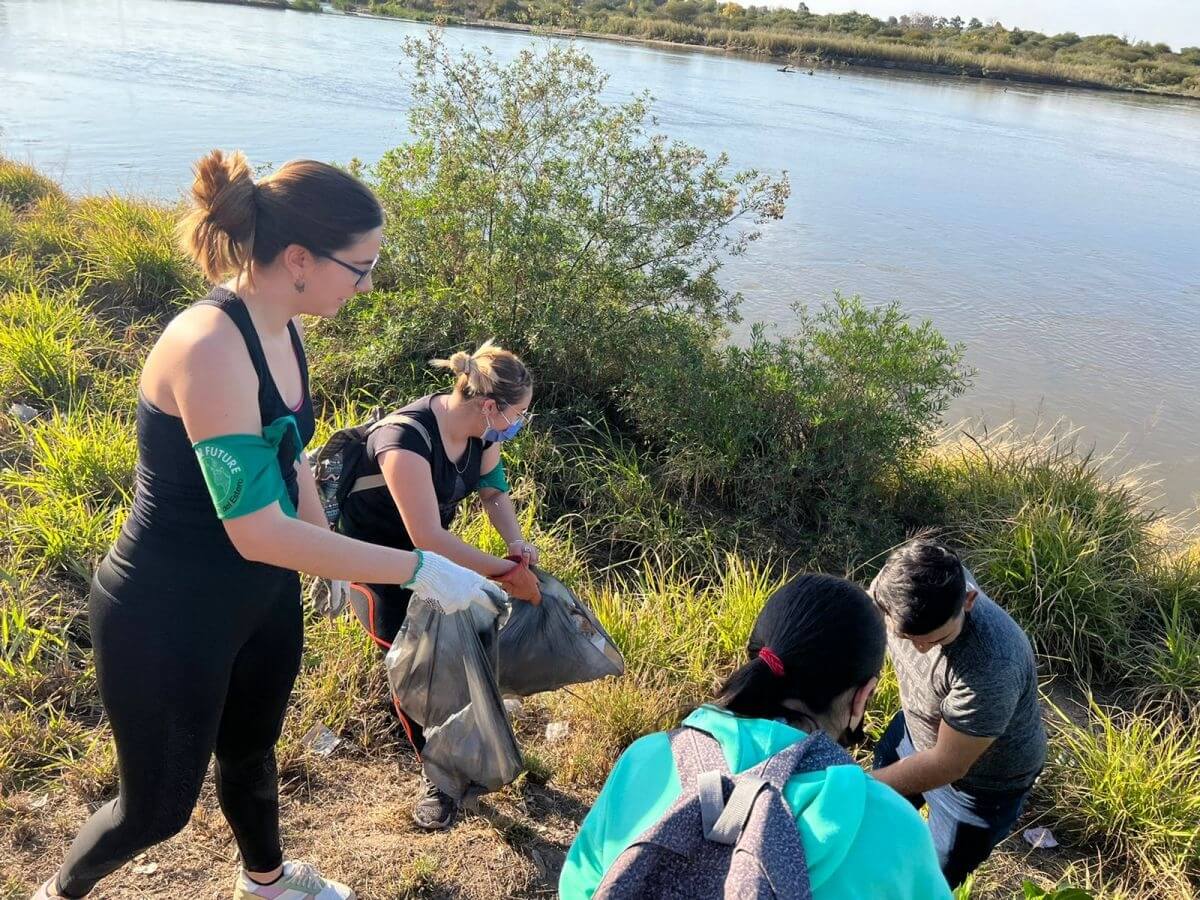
[727, 836]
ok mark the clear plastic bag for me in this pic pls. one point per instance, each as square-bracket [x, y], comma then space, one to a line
[553, 644]
[442, 671]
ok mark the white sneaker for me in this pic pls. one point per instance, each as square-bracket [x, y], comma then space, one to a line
[49, 890]
[299, 881]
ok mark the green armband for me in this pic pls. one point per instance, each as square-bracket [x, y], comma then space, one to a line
[495, 479]
[242, 470]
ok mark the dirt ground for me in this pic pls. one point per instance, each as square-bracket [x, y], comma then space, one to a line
[351, 818]
[350, 815]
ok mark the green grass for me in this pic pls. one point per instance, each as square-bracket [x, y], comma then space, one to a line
[46, 235]
[47, 339]
[81, 452]
[37, 745]
[8, 228]
[1063, 546]
[1130, 783]
[21, 185]
[130, 258]
[1172, 662]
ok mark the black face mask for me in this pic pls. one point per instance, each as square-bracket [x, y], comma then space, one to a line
[852, 737]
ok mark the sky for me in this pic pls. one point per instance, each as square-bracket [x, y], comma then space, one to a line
[1175, 21]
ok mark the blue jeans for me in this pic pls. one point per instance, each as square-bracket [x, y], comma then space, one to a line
[966, 825]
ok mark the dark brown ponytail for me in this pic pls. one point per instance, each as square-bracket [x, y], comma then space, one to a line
[235, 223]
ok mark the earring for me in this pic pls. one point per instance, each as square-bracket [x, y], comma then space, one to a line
[299, 286]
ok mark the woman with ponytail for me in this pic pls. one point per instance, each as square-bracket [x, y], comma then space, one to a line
[814, 660]
[195, 613]
[426, 459]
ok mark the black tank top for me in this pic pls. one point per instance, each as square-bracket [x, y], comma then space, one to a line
[173, 518]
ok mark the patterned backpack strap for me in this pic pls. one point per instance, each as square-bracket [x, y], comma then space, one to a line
[695, 752]
[816, 752]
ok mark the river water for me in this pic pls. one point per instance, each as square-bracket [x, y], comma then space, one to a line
[1055, 232]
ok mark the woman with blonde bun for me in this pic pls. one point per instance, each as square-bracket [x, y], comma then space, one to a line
[431, 455]
[195, 612]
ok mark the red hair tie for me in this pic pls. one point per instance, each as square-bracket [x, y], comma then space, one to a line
[774, 663]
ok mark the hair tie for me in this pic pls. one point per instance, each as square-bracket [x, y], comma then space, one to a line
[774, 663]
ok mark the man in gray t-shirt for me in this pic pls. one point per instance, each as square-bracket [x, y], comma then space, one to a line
[969, 740]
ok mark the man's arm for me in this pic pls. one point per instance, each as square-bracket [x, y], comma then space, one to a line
[946, 761]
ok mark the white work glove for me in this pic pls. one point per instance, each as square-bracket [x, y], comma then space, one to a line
[453, 588]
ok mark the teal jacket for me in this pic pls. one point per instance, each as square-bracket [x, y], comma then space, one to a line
[862, 839]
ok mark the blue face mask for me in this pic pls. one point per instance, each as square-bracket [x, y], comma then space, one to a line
[494, 435]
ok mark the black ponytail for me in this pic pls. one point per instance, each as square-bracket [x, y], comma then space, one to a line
[816, 637]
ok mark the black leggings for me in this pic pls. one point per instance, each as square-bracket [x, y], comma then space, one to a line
[189, 663]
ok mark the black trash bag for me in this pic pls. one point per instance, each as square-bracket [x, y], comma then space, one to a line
[556, 643]
[442, 671]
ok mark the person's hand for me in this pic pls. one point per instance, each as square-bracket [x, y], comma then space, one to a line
[451, 587]
[525, 550]
[520, 582]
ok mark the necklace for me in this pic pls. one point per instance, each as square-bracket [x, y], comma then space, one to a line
[466, 458]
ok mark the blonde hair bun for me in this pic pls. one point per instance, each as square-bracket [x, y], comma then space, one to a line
[490, 371]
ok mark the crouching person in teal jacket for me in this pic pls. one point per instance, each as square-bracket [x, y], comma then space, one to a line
[815, 656]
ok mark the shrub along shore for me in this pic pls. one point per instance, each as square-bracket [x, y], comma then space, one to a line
[673, 480]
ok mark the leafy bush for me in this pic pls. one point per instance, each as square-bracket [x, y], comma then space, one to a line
[530, 211]
[555, 221]
[21, 186]
[804, 427]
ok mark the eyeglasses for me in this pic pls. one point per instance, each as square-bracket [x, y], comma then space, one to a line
[361, 273]
[524, 418]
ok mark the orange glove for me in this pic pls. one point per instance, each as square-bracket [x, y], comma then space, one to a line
[520, 582]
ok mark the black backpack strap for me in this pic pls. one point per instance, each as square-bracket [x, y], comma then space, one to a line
[370, 482]
[695, 752]
[815, 753]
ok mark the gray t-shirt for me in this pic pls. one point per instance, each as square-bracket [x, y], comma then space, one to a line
[983, 684]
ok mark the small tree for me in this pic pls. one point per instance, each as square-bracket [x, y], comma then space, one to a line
[556, 218]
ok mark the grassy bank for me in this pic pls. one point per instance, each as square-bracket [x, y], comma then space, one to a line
[673, 519]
